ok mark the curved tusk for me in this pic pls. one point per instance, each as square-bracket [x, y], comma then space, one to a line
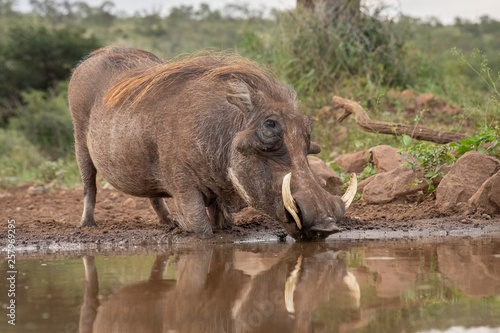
[352, 284]
[291, 284]
[288, 200]
[351, 191]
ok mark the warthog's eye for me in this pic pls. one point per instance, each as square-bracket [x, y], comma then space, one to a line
[272, 128]
[270, 135]
[269, 123]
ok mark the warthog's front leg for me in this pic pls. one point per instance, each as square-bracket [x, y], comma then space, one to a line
[191, 213]
[161, 210]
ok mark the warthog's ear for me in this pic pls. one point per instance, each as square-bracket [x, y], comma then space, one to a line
[314, 148]
[239, 95]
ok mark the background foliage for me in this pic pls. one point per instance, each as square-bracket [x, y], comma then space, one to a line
[367, 57]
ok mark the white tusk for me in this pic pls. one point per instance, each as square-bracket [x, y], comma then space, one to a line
[351, 191]
[352, 284]
[291, 284]
[288, 200]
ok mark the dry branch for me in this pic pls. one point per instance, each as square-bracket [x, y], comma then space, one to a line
[375, 126]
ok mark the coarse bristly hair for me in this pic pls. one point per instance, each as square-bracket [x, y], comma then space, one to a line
[147, 79]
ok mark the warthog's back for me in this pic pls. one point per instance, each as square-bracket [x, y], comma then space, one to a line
[115, 142]
[96, 74]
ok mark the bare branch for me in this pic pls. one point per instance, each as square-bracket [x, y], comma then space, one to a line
[375, 126]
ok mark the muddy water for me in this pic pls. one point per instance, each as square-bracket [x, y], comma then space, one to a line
[342, 286]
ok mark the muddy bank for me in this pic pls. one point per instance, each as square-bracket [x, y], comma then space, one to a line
[50, 221]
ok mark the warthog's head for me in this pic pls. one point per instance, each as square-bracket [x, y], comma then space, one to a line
[269, 166]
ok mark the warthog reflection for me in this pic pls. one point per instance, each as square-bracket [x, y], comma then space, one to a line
[221, 290]
[281, 287]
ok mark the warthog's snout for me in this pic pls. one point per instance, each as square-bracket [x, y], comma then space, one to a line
[314, 211]
[327, 227]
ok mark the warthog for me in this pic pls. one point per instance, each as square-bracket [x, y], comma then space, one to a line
[213, 130]
[222, 289]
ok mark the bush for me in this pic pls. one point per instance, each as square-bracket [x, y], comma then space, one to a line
[316, 55]
[18, 156]
[429, 157]
[487, 142]
[63, 171]
[39, 57]
[426, 157]
[46, 122]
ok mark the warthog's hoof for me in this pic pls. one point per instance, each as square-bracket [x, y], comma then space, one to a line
[88, 223]
[205, 235]
[166, 221]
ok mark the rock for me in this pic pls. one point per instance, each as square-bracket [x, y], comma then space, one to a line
[405, 97]
[465, 178]
[487, 198]
[328, 179]
[389, 186]
[129, 203]
[36, 190]
[425, 100]
[385, 158]
[354, 162]
[445, 169]
[434, 104]
[407, 94]
[108, 186]
[362, 184]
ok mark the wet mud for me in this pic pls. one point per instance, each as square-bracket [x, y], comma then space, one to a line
[50, 221]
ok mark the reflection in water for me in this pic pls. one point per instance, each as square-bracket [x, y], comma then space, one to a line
[219, 290]
[298, 288]
[403, 286]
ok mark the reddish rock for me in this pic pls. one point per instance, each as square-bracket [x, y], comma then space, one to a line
[130, 202]
[392, 185]
[407, 94]
[362, 184]
[487, 198]
[108, 186]
[425, 100]
[435, 104]
[385, 158]
[37, 190]
[465, 178]
[327, 178]
[444, 169]
[354, 162]
[405, 97]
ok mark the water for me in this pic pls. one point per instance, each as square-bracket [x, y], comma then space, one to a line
[341, 286]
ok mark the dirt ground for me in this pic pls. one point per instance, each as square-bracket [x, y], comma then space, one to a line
[50, 220]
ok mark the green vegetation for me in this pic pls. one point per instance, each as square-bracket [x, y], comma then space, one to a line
[428, 158]
[486, 143]
[366, 57]
[37, 57]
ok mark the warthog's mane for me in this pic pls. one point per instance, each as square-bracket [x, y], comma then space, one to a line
[150, 76]
[127, 57]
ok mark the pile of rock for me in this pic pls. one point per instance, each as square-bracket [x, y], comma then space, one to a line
[471, 184]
